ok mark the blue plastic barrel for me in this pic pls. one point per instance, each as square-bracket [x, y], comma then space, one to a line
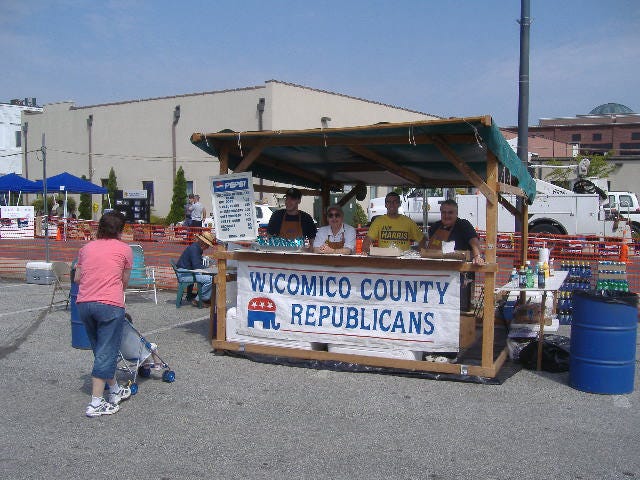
[603, 341]
[79, 338]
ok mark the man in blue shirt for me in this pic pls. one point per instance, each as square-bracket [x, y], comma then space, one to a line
[191, 259]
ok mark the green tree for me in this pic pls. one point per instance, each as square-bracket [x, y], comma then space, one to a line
[84, 210]
[359, 216]
[599, 167]
[112, 187]
[179, 199]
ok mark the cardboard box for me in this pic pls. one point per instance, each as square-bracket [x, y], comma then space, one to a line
[385, 252]
[40, 273]
[467, 329]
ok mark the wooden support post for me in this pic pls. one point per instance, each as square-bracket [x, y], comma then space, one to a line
[488, 321]
[224, 160]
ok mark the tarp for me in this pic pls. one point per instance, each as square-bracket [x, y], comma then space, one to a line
[13, 182]
[432, 153]
[65, 182]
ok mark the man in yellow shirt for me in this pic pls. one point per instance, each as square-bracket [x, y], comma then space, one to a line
[393, 228]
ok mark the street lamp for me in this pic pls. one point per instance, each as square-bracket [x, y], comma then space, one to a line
[176, 117]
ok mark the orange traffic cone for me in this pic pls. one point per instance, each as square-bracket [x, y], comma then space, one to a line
[59, 234]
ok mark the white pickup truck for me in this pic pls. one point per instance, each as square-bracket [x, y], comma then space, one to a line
[555, 210]
[626, 205]
[412, 206]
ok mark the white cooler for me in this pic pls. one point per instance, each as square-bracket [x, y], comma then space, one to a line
[232, 335]
[40, 273]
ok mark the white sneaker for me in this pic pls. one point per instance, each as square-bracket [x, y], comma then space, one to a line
[123, 394]
[105, 408]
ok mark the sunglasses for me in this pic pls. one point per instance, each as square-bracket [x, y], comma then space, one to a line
[333, 215]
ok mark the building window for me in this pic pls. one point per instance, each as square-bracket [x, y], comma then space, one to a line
[630, 148]
[635, 135]
[597, 137]
[576, 137]
[189, 187]
[148, 186]
[18, 138]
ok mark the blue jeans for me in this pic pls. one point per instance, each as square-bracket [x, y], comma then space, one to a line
[104, 325]
[204, 282]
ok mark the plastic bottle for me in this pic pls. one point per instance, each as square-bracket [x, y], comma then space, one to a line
[522, 278]
[529, 276]
[551, 270]
[514, 276]
[541, 277]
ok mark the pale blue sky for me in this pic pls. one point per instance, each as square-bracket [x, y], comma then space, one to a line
[447, 57]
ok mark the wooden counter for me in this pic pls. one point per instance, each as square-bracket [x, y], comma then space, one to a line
[390, 263]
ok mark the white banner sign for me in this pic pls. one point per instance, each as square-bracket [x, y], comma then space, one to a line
[414, 309]
[134, 194]
[16, 222]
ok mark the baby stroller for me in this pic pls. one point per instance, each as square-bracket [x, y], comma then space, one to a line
[140, 357]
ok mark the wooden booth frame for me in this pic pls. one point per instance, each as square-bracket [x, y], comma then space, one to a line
[459, 152]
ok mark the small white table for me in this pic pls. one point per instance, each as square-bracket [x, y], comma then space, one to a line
[552, 284]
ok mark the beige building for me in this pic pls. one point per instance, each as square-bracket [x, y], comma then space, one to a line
[147, 140]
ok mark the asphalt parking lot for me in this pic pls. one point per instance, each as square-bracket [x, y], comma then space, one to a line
[226, 417]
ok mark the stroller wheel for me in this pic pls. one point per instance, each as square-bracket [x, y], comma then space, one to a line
[134, 388]
[169, 376]
[144, 372]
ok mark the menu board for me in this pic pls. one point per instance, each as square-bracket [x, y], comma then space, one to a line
[233, 207]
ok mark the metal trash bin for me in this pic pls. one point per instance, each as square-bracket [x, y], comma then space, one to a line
[603, 341]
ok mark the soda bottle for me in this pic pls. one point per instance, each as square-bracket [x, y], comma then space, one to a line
[514, 275]
[522, 278]
[529, 276]
[541, 278]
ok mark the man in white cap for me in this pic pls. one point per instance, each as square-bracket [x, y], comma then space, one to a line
[191, 259]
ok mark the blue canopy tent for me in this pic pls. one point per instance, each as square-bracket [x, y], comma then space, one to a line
[71, 184]
[67, 183]
[12, 182]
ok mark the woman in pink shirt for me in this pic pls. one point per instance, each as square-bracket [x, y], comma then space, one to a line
[102, 273]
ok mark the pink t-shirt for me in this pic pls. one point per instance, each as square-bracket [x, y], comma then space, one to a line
[101, 265]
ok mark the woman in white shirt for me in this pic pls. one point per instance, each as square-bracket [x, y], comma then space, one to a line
[336, 237]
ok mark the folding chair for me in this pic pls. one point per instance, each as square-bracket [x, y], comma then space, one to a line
[142, 278]
[61, 283]
[185, 284]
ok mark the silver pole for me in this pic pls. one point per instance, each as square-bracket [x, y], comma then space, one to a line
[46, 208]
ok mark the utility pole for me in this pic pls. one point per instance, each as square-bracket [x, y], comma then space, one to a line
[523, 114]
[176, 117]
[90, 131]
[44, 201]
[25, 150]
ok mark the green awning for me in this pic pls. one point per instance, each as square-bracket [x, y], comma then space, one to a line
[418, 154]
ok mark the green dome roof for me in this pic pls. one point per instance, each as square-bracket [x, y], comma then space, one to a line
[610, 108]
